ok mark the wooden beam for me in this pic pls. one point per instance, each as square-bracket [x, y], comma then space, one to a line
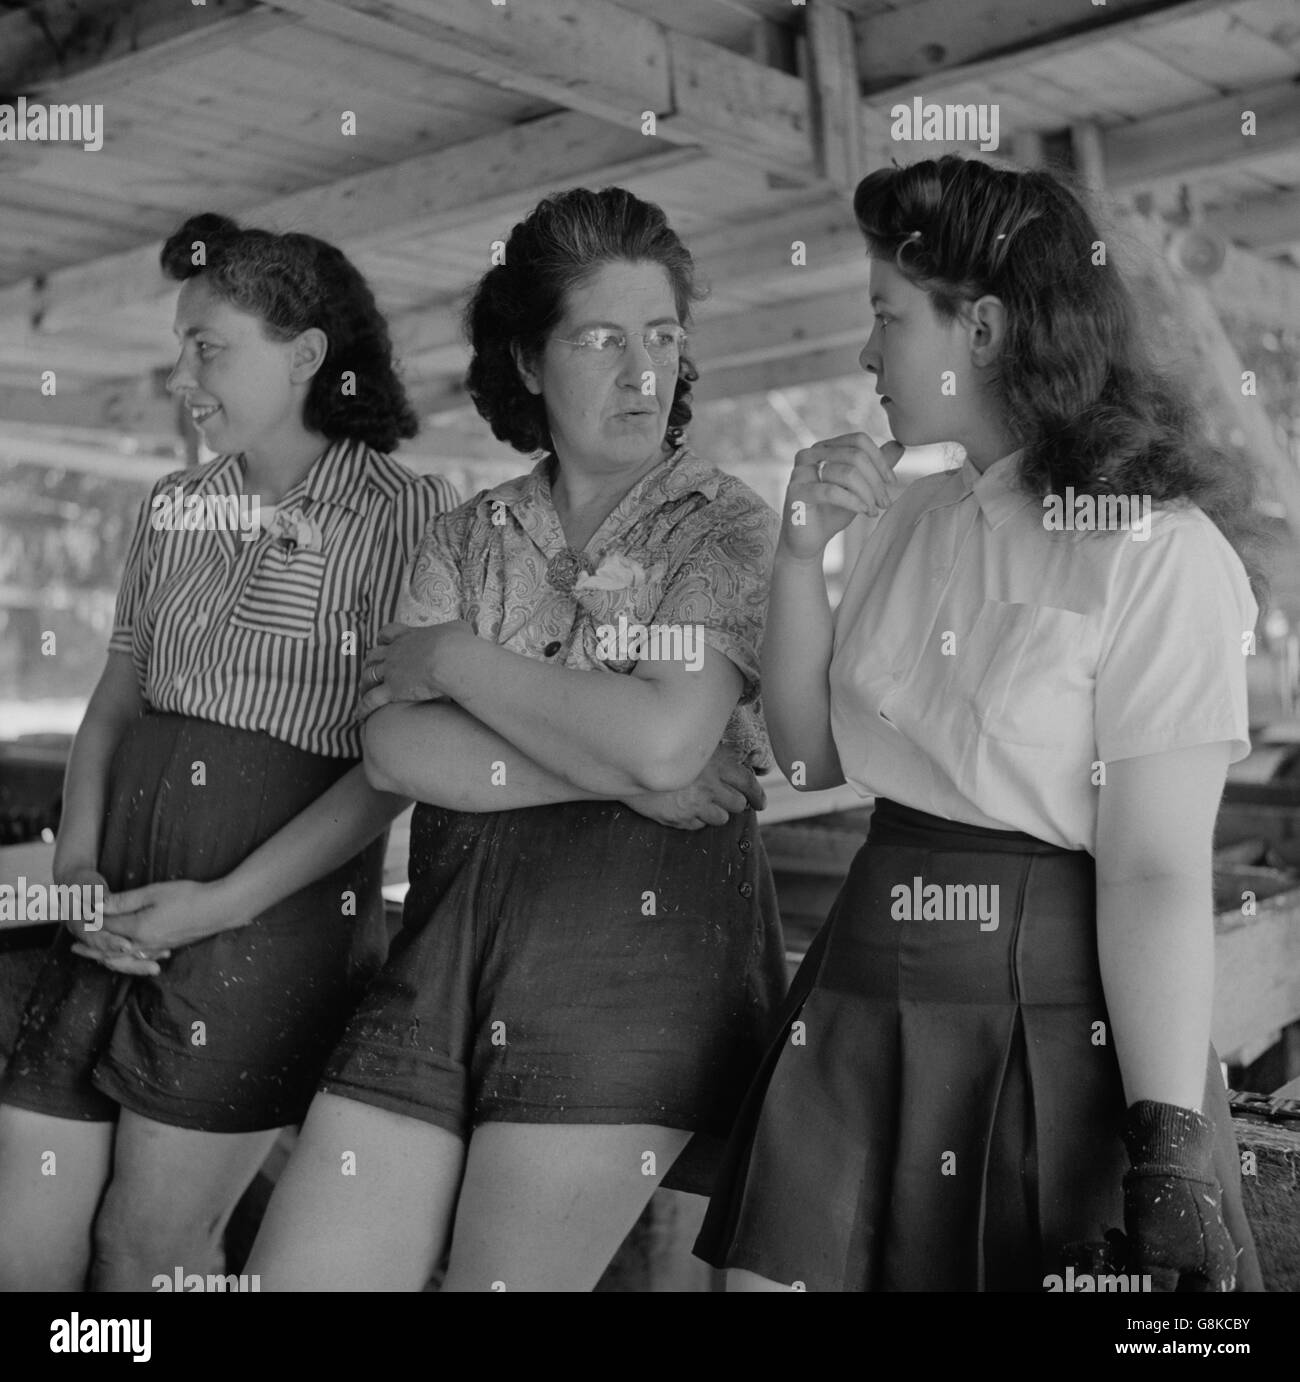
[783, 331]
[921, 48]
[89, 460]
[814, 367]
[1190, 142]
[836, 99]
[47, 43]
[497, 174]
[128, 409]
[597, 57]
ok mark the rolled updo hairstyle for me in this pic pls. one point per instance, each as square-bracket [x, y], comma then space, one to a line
[294, 282]
[1077, 378]
[559, 246]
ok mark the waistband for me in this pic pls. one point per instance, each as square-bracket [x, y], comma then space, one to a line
[230, 739]
[894, 823]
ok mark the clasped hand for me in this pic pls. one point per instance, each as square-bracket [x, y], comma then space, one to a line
[140, 927]
[405, 661]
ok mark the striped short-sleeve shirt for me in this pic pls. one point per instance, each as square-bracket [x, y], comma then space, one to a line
[262, 622]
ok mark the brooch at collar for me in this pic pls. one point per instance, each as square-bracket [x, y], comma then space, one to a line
[563, 570]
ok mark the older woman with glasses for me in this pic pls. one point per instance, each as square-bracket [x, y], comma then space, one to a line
[590, 951]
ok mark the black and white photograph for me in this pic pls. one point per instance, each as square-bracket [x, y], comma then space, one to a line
[650, 646]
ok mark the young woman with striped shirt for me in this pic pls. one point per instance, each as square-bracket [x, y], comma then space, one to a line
[214, 788]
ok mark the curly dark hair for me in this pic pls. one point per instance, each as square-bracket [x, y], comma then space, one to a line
[1078, 381]
[556, 248]
[293, 282]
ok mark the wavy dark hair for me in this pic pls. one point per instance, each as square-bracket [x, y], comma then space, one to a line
[562, 242]
[293, 282]
[1077, 376]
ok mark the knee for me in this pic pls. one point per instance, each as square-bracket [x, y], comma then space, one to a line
[136, 1238]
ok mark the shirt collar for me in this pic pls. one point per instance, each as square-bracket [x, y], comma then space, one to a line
[997, 490]
[679, 474]
[336, 476]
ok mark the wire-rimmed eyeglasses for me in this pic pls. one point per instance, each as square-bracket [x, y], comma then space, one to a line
[663, 344]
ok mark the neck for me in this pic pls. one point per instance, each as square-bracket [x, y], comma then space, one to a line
[987, 447]
[273, 467]
[584, 499]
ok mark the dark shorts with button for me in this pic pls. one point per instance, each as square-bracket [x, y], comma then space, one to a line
[573, 964]
[231, 1036]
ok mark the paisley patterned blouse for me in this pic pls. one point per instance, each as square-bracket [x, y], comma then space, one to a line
[687, 546]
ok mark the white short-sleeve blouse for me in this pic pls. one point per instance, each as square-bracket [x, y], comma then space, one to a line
[985, 663]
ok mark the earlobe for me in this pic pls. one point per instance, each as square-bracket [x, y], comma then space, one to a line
[309, 352]
[527, 375]
[988, 325]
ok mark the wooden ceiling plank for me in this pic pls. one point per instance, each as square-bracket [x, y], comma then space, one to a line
[1182, 143]
[595, 56]
[446, 188]
[1218, 49]
[107, 44]
[945, 44]
[582, 54]
[1278, 21]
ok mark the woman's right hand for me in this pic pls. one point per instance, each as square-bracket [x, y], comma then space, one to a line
[832, 482]
[98, 943]
[724, 788]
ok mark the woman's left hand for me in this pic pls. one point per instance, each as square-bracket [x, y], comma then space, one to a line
[159, 917]
[405, 662]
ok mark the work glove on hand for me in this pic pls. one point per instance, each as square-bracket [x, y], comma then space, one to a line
[1173, 1211]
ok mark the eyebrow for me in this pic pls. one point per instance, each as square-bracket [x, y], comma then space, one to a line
[191, 331]
[877, 300]
[618, 326]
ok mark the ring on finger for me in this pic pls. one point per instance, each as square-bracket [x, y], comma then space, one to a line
[820, 465]
[374, 674]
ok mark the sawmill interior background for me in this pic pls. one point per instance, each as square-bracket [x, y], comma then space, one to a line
[1182, 116]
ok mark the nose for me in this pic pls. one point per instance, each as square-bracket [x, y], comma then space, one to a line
[181, 377]
[636, 361]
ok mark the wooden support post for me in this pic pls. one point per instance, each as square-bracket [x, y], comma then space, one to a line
[1204, 338]
[1027, 148]
[1089, 159]
[835, 93]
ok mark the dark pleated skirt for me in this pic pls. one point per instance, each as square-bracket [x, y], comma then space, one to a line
[940, 1106]
[231, 1035]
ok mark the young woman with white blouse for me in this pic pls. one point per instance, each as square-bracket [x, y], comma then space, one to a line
[1014, 986]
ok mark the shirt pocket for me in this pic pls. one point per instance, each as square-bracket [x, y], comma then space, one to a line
[1028, 672]
[283, 594]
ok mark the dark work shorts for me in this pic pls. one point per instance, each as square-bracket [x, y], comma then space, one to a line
[231, 1035]
[573, 964]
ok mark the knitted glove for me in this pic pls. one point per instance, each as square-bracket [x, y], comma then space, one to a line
[1172, 1209]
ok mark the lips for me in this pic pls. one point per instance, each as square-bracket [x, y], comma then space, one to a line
[200, 413]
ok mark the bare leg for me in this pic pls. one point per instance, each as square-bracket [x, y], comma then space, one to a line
[365, 1203]
[544, 1206]
[740, 1280]
[52, 1175]
[167, 1204]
